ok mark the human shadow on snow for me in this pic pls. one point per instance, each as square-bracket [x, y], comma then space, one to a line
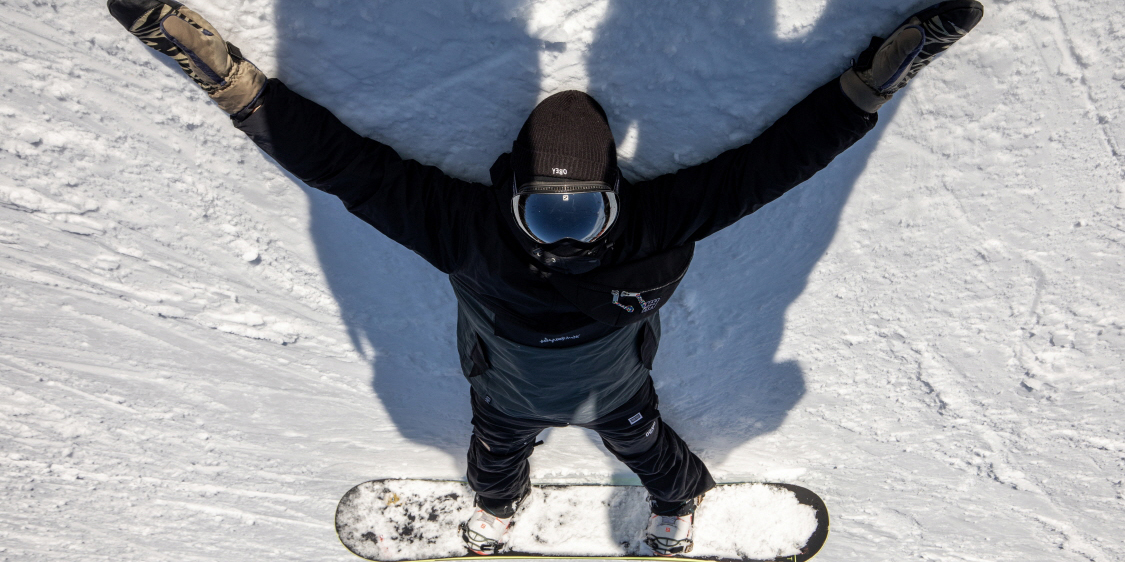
[473, 67]
[469, 67]
[717, 376]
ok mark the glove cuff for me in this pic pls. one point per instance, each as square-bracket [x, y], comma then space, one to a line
[244, 84]
[863, 96]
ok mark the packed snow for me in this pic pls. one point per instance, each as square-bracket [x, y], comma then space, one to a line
[199, 356]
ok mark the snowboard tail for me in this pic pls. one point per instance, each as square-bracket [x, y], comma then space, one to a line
[417, 521]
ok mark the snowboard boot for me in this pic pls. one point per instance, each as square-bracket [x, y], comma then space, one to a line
[888, 64]
[217, 66]
[670, 531]
[486, 531]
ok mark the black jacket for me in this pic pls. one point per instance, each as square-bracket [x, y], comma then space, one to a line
[465, 229]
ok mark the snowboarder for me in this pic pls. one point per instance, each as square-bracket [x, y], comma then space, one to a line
[560, 267]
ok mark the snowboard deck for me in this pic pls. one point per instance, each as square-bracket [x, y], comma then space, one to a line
[418, 521]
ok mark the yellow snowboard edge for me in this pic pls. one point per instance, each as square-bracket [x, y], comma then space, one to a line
[560, 557]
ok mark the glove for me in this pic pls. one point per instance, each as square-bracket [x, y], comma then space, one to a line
[217, 66]
[888, 64]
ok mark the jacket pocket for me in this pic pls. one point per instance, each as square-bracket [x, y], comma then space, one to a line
[479, 356]
[647, 343]
[622, 294]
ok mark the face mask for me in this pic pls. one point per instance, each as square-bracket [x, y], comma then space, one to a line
[570, 257]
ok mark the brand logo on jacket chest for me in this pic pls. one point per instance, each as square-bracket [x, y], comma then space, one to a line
[645, 305]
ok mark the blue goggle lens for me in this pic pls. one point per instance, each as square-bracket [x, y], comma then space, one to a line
[550, 217]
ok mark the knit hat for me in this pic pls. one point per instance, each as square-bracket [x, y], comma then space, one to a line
[566, 136]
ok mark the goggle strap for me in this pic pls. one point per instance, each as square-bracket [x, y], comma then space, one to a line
[563, 186]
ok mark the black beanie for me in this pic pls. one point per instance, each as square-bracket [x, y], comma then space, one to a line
[566, 136]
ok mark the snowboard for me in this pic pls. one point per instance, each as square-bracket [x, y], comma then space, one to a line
[418, 521]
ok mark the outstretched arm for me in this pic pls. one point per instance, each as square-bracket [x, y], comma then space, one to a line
[415, 205]
[693, 203]
[696, 202]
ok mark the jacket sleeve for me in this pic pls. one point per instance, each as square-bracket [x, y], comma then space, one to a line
[417, 206]
[695, 202]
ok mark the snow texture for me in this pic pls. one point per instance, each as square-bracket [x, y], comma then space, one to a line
[411, 520]
[198, 356]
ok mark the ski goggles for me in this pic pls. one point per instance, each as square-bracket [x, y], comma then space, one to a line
[549, 210]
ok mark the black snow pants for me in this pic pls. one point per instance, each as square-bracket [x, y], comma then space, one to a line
[499, 472]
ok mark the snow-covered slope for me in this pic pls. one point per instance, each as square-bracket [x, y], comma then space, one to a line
[199, 356]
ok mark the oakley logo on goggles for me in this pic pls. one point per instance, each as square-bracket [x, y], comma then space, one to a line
[549, 210]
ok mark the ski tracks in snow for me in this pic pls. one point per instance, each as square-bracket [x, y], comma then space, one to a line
[161, 314]
[971, 280]
[177, 381]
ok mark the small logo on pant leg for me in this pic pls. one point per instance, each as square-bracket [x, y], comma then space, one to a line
[633, 420]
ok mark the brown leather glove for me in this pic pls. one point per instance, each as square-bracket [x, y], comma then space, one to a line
[217, 66]
[888, 64]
